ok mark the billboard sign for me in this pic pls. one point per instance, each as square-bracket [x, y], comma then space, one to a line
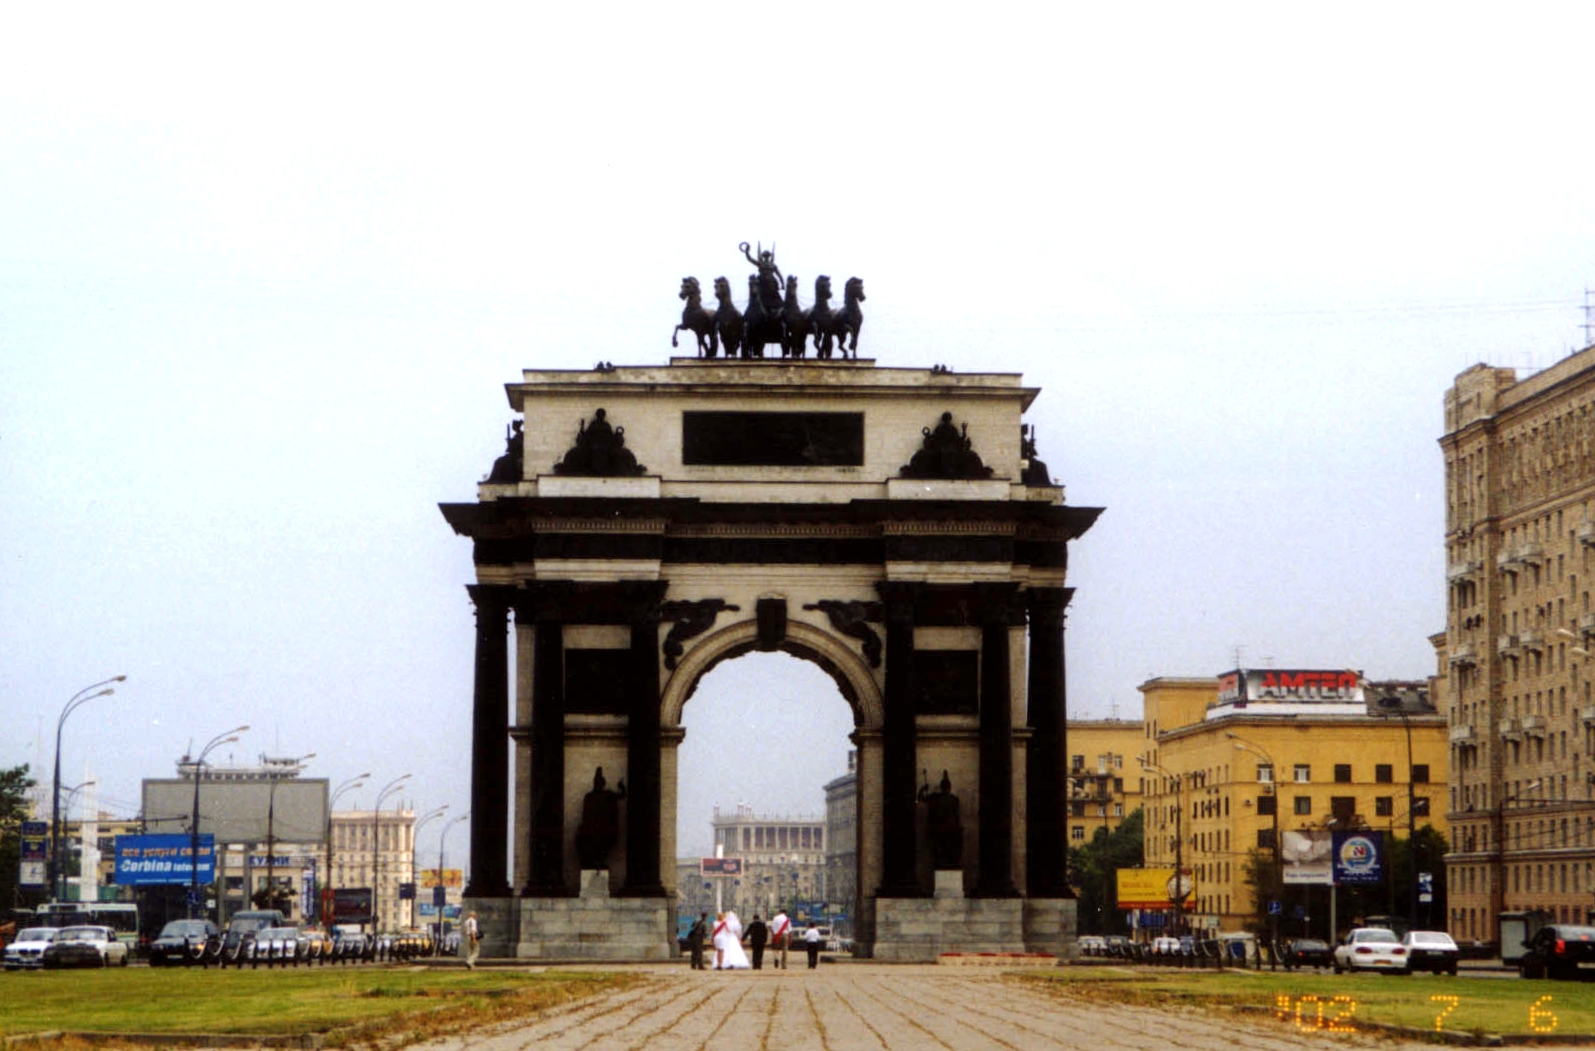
[1290, 686]
[453, 879]
[163, 860]
[1145, 888]
[721, 867]
[351, 905]
[1359, 858]
[1304, 857]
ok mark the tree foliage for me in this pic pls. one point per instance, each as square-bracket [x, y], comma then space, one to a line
[14, 786]
[1094, 867]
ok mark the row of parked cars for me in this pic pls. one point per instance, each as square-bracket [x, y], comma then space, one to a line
[86, 945]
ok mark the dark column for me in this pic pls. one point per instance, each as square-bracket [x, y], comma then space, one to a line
[996, 745]
[490, 745]
[1047, 760]
[546, 845]
[899, 850]
[644, 792]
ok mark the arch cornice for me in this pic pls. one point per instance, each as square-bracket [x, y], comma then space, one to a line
[834, 654]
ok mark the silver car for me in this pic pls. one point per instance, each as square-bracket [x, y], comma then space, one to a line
[27, 951]
[1371, 949]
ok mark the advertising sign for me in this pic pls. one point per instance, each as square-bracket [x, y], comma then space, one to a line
[1359, 858]
[351, 904]
[1145, 888]
[1304, 857]
[1290, 685]
[35, 849]
[163, 859]
[452, 878]
[721, 867]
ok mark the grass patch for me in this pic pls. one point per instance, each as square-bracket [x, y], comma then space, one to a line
[355, 1005]
[1308, 1000]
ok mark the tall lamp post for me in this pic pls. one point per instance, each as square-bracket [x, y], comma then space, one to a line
[226, 737]
[1244, 745]
[57, 872]
[443, 841]
[1392, 703]
[271, 821]
[326, 891]
[1181, 887]
[1500, 849]
[415, 834]
[376, 852]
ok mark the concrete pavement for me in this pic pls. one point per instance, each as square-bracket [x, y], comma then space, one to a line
[867, 1007]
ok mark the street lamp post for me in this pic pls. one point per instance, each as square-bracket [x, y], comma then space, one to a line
[415, 838]
[1279, 870]
[1500, 849]
[376, 853]
[443, 842]
[57, 873]
[1179, 892]
[1392, 703]
[226, 737]
[326, 892]
[271, 822]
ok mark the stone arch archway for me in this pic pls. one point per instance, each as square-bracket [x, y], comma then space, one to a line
[632, 537]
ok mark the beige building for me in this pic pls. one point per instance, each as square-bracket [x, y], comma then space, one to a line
[1104, 780]
[376, 850]
[1228, 764]
[1520, 627]
[783, 858]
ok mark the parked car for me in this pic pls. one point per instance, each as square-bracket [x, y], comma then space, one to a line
[1371, 949]
[276, 945]
[27, 951]
[182, 942]
[1560, 950]
[1165, 945]
[244, 923]
[1308, 952]
[1432, 951]
[86, 946]
[1092, 945]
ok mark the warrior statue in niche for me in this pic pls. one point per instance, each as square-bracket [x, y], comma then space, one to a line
[599, 830]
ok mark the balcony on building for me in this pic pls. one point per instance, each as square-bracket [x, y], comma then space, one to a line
[1508, 562]
[1586, 534]
[1533, 639]
[1463, 656]
[1464, 734]
[1530, 552]
[1533, 725]
[1586, 624]
[1507, 645]
[1509, 730]
[1587, 716]
[1467, 569]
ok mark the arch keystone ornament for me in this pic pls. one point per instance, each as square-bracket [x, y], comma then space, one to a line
[784, 506]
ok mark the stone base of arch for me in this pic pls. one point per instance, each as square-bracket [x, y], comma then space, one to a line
[920, 930]
[591, 927]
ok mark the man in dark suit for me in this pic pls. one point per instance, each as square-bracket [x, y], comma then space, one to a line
[758, 935]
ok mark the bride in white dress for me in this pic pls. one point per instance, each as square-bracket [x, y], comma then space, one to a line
[728, 954]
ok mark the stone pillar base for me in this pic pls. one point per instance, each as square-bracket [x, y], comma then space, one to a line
[919, 930]
[499, 921]
[1052, 925]
[949, 883]
[594, 926]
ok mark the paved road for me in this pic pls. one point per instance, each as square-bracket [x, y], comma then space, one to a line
[865, 1007]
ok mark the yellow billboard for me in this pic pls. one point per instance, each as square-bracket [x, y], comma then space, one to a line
[1144, 888]
[453, 879]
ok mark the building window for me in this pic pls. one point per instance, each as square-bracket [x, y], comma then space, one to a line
[1344, 810]
[1267, 805]
[1304, 804]
[1384, 806]
[1420, 773]
[1303, 773]
[1077, 833]
[1077, 763]
[1265, 838]
[1383, 773]
[1420, 806]
[1265, 773]
[1343, 773]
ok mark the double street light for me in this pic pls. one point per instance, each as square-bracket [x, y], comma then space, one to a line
[57, 870]
[271, 820]
[415, 839]
[376, 851]
[327, 895]
[1180, 889]
[195, 905]
[1278, 881]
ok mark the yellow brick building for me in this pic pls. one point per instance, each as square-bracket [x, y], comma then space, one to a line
[1520, 628]
[1104, 780]
[1226, 767]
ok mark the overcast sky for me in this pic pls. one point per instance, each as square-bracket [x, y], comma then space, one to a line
[265, 270]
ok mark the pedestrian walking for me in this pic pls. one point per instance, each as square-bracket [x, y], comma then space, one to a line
[758, 935]
[781, 932]
[471, 940]
[812, 943]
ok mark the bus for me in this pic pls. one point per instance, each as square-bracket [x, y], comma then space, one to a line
[120, 916]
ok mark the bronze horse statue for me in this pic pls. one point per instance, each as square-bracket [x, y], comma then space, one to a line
[697, 319]
[797, 323]
[850, 319]
[822, 317]
[727, 322]
[762, 323]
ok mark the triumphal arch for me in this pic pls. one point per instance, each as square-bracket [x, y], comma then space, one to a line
[892, 525]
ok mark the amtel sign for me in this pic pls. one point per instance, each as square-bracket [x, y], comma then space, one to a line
[1277, 684]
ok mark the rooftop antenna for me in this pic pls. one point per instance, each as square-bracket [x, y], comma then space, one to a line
[1238, 652]
[1589, 319]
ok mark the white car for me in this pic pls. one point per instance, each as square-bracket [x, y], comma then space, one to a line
[28, 949]
[87, 946]
[1371, 949]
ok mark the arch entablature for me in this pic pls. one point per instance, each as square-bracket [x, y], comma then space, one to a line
[835, 655]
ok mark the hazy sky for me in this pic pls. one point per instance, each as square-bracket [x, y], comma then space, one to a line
[264, 271]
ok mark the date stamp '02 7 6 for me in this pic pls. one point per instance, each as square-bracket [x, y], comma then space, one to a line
[1336, 1014]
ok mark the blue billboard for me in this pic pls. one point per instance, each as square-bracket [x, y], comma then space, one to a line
[154, 860]
[1359, 858]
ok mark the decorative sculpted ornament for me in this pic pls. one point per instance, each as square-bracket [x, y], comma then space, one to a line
[599, 830]
[945, 827]
[600, 452]
[947, 454]
[510, 467]
[773, 315]
[853, 618]
[691, 619]
[696, 319]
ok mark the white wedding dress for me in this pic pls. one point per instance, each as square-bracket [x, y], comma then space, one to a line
[728, 945]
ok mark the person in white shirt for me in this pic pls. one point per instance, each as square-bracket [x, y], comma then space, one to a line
[471, 940]
[813, 943]
[781, 937]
